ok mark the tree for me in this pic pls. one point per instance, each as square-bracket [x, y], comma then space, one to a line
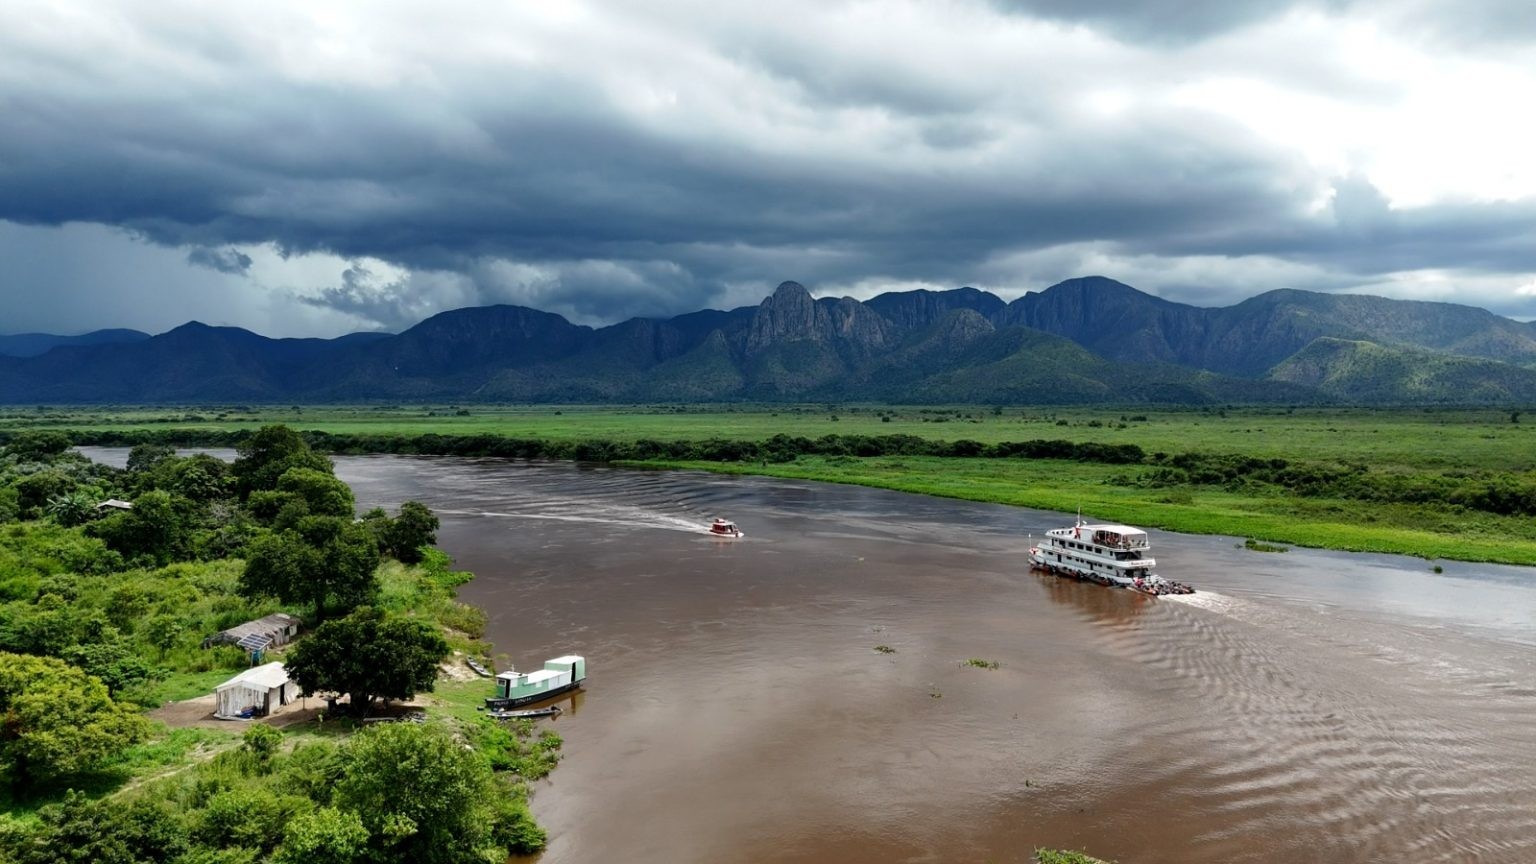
[34, 491]
[70, 509]
[323, 558]
[37, 446]
[322, 493]
[369, 654]
[144, 457]
[415, 527]
[269, 454]
[159, 526]
[422, 795]
[56, 721]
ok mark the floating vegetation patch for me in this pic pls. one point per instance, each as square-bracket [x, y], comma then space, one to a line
[982, 664]
[1260, 546]
[885, 649]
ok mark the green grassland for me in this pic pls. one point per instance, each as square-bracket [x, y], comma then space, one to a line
[1051, 484]
[1412, 438]
[1429, 447]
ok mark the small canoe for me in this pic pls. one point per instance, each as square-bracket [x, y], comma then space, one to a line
[478, 667]
[524, 715]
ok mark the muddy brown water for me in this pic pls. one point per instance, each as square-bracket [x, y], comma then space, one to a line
[1303, 707]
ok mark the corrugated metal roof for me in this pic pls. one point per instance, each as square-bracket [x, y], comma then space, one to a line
[275, 621]
[269, 676]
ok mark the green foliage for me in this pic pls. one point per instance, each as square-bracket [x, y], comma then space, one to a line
[262, 742]
[248, 817]
[144, 457]
[369, 654]
[324, 836]
[56, 721]
[406, 534]
[108, 831]
[420, 793]
[270, 453]
[70, 509]
[157, 529]
[323, 558]
[37, 446]
[979, 663]
[321, 492]
[1054, 856]
[513, 748]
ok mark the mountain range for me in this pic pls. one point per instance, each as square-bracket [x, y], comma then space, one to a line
[1088, 340]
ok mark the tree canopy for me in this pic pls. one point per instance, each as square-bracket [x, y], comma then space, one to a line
[37, 446]
[56, 721]
[369, 654]
[415, 527]
[421, 793]
[270, 453]
[322, 559]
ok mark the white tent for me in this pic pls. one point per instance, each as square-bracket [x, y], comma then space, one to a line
[259, 690]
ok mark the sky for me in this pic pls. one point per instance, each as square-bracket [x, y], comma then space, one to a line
[316, 168]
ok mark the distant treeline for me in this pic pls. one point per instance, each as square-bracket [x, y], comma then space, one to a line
[1503, 493]
[779, 448]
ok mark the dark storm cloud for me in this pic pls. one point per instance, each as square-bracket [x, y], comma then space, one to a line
[1154, 20]
[697, 168]
[226, 260]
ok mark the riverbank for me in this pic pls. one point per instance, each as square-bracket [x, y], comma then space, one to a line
[1065, 486]
[1451, 484]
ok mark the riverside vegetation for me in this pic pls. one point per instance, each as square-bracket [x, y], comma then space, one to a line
[102, 617]
[1436, 483]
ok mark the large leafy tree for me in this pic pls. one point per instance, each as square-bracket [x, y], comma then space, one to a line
[323, 559]
[56, 721]
[159, 527]
[415, 527]
[144, 457]
[37, 446]
[270, 453]
[321, 492]
[422, 795]
[367, 655]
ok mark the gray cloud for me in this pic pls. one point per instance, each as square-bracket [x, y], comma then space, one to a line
[657, 164]
[225, 260]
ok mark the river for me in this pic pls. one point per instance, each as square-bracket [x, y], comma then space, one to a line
[1304, 706]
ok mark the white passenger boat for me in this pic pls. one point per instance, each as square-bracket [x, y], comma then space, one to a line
[1116, 555]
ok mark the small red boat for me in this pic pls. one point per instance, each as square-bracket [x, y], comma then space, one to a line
[724, 528]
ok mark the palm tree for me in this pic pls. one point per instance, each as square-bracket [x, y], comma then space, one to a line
[70, 510]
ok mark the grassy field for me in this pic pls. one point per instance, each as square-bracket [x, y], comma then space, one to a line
[1064, 486]
[1420, 438]
[1438, 442]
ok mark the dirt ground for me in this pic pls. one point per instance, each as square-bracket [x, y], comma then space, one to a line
[198, 712]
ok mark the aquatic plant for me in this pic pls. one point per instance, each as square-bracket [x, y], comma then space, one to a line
[885, 649]
[982, 664]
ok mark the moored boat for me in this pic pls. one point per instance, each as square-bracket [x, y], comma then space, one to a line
[527, 714]
[1113, 555]
[725, 528]
[478, 667]
[559, 675]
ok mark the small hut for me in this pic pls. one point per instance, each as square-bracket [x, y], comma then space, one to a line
[259, 635]
[114, 504]
[256, 692]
